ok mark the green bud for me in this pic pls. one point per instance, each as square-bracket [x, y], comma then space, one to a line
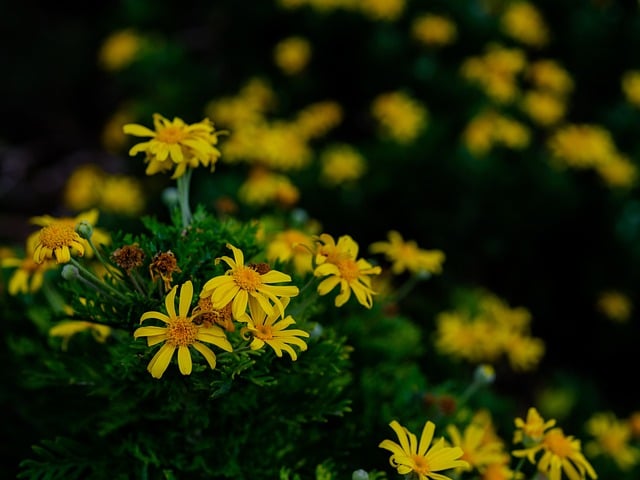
[360, 475]
[84, 229]
[484, 374]
[70, 272]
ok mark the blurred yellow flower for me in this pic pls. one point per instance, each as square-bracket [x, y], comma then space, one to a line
[28, 275]
[341, 163]
[83, 186]
[119, 49]
[69, 328]
[581, 145]
[317, 119]
[292, 54]
[530, 431]
[112, 137]
[386, 10]
[292, 245]
[489, 129]
[548, 75]
[614, 305]
[399, 116]
[631, 87]
[407, 256]
[121, 194]
[612, 438]
[433, 30]
[477, 450]
[522, 21]
[263, 187]
[544, 108]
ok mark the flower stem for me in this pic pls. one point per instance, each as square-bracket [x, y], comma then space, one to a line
[183, 184]
[97, 282]
[517, 469]
[110, 268]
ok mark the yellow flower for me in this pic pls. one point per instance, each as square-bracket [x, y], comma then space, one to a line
[292, 54]
[317, 119]
[399, 116]
[341, 163]
[263, 187]
[58, 238]
[549, 76]
[342, 268]
[82, 188]
[530, 432]
[433, 30]
[292, 245]
[612, 437]
[560, 454]
[264, 329]
[180, 333]
[174, 144]
[386, 10]
[119, 49]
[523, 22]
[523, 352]
[29, 275]
[618, 171]
[581, 146]
[122, 194]
[477, 451]
[68, 329]
[500, 471]
[421, 458]
[615, 305]
[248, 284]
[544, 108]
[631, 87]
[407, 256]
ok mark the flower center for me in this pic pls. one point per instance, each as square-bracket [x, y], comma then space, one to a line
[420, 465]
[181, 332]
[558, 444]
[348, 269]
[263, 332]
[170, 135]
[58, 235]
[247, 278]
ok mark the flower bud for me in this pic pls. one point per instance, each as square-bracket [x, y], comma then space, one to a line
[84, 229]
[70, 272]
[360, 475]
[484, 374]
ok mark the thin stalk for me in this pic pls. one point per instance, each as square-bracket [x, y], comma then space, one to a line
[97, 281]
[517, 469]
[183, 184]
[110, 268]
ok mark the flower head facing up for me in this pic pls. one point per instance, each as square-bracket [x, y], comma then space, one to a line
[175, 144]
[264, 329]
[244, 285]
[338, 262]
[530, 432]
[421, 458]
[180, 333]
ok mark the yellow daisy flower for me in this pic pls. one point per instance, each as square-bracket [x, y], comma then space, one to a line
[264, 329]
[175, 144]
[561, 453]
[342, 268]
[405, 255]
[530, 432]
[477, 451]
[180, 333]
[411, 456]
[247, 285]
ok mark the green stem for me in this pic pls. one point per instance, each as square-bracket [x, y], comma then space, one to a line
[517, 469]
[136, 284]
[183, 183]
[97, 281]
[99, 288]
[110, 268]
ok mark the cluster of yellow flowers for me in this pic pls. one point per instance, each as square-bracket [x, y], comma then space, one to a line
[379, 10]
[399, 116]
[485, 333]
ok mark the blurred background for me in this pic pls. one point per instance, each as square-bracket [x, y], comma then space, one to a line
[504, 133]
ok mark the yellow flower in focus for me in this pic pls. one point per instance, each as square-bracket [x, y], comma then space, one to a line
[69, 328]
[266, 329]
[399, 116]
[119, 49]
[180, 333]
[543, 108]
[341, 267]
[248, 285]
[386, 10]
[292, 245]
[618, 171]
[341, 163]
[58, 238]
[612, 437]
[174, 144]
[530, 431]
[407, 256]
[292, 54]
[548, 75]
[433, 30]
[122, 194]
[83, 187]
[631, 87]
[477, 451]
[615, 305]
[523, 22]
[420, 458]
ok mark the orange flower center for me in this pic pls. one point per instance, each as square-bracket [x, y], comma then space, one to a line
[263, 332]
[558, 444]
[348, 269]
[58, 235]
[420, 465]
[171, 135]
[247, 278]
[181, 332]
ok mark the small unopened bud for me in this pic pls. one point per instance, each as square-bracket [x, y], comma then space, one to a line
[299, 216]
[170, 196]
[360, 475]
[423, 274]
[316, 331]
[484, 374]
[84, 229]
[70, 272]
